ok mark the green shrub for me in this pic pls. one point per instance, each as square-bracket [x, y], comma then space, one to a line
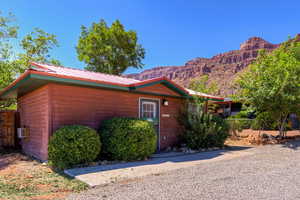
[203, 130]
[241, 114]
[264, 121]
[240, 123]
[221, 132]
[128, 139]
[72, 145]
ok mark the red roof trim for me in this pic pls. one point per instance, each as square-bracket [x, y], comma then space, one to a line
[37, 65]
[147, 81]
[141, 83]
[110, 83]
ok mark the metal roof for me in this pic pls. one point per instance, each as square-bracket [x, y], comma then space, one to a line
[45, 72]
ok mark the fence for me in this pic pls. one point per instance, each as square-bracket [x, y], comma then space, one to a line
[8, 129]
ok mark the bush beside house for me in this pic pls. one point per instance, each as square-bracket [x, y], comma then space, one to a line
[203, 130]
[123, 139]
[127, 139]
[72, 145]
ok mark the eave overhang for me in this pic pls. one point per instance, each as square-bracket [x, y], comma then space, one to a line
[32, 79]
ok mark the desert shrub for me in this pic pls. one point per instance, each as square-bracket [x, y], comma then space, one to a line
[264, 121]
[203, 130]
[240, 123]
[127, 139]
[243, 119]
[72, 145]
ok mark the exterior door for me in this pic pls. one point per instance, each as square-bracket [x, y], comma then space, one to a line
[149, 110]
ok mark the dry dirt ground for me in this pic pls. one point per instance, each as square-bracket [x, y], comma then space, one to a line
[247, 132]
[24, 178]
[249, 137]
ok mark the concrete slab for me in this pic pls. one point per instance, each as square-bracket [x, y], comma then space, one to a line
[104, 174]
[168, 154]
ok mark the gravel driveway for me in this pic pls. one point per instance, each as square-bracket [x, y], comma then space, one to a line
[268, 172]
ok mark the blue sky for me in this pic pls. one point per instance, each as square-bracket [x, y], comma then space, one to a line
[171, 31]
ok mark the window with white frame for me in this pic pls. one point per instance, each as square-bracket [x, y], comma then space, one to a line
[148, 110]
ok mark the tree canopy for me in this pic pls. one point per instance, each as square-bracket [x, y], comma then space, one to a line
[271, 84]
[201, 84]
[35, 46]
[109, 49]
[8, 32]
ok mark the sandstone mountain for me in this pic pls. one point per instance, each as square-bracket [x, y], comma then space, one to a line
[221, 68]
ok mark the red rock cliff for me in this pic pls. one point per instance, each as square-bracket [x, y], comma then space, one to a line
[221, 68]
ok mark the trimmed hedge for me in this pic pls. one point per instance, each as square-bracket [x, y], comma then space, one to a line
[72, 145]
[127, 139]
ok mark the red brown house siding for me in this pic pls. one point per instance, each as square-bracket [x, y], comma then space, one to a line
[48, 108]
[50, 97]
[34, 113]
[89, 106]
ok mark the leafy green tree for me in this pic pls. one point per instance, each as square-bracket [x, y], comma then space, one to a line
[109, 49]
[8, 32]
[7, 27]
[37, 46]
[201, 84]
[271, 84]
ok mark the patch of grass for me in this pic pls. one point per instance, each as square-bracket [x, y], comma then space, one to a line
[12, 189]
[29, 179]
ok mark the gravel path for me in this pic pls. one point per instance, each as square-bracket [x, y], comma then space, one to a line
[269, 172]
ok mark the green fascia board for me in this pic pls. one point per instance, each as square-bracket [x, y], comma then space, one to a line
[78, 82]
[176, 89]
[208, 99]
[146, 85]
[212, 99]
[157, 94]
[166, 83]
[93, 84]
[16, 86]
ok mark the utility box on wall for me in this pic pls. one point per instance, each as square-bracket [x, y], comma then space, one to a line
[23, 133]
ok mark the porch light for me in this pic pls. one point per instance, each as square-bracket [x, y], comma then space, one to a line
[165, 102]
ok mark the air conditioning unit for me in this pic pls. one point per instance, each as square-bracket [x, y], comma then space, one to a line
[23, 133]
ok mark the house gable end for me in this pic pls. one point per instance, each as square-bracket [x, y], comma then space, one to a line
[159, 88]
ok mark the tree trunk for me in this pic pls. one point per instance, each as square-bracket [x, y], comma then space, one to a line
[282, 132]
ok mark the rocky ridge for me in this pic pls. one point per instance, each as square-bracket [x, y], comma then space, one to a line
[221, 68]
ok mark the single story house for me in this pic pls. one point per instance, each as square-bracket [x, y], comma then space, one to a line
[49, 97]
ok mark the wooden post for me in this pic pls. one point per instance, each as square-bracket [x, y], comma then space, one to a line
[206, 106]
